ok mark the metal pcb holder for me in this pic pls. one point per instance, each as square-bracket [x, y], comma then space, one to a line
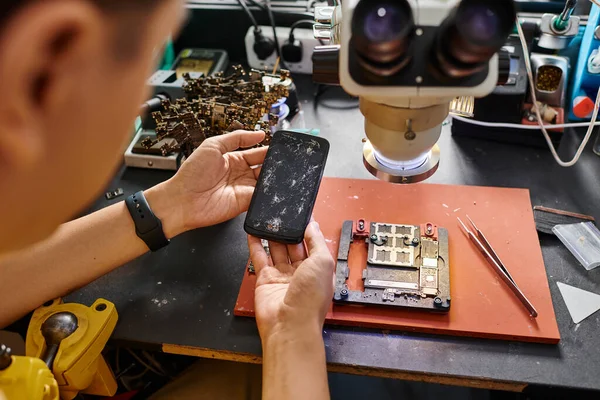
[407, 266]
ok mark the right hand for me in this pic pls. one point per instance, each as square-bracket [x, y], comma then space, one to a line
[294, 288]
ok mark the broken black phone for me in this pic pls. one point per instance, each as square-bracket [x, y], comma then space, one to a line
[287, 187]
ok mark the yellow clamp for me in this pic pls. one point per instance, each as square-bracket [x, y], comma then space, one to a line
[27, 378]
[79, 365]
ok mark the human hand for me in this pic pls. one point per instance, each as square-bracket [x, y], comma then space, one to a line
[213, 185]
[294, 288]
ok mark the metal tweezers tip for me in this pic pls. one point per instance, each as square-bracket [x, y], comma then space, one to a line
[463, 225]
[472, 223]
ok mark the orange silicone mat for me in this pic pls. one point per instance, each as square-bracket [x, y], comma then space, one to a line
[482, 305]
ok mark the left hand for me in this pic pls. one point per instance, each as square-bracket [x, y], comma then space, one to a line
[213, 185]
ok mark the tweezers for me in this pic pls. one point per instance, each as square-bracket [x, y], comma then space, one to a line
[484, 246]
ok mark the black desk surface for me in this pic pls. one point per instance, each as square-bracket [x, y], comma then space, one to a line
[184, 294]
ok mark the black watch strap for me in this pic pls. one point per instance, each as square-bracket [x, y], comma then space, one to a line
[147, 226]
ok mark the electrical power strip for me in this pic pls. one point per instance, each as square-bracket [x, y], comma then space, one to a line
[303, 35]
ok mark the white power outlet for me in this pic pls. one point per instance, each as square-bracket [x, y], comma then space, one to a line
[303, 35]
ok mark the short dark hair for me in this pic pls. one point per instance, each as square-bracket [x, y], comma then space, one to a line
[125, 44]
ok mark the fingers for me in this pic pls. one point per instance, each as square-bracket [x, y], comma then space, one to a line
[279, 253]
[297, 253]
[255, 156]
[322, 264]
[258, 255]
[234, 140]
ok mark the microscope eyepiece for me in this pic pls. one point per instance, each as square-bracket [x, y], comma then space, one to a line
[382, 33]
[479, 22]
[470, 36]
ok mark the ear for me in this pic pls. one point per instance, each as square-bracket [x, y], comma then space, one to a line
[40, 47]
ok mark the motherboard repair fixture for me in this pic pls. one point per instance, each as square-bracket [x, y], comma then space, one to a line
[219, 104]
[406, 266]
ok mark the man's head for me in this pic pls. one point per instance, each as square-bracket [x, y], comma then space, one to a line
[72, 77]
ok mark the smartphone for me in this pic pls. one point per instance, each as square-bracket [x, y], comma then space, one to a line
[287, 187]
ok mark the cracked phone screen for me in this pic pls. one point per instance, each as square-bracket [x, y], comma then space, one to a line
[287, 187]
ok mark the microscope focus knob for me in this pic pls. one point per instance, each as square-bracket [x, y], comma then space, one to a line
[326, 64]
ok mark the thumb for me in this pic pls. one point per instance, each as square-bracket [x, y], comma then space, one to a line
[315, 241]
[317, 248]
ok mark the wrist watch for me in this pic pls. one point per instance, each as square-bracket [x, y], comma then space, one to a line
[147, 226]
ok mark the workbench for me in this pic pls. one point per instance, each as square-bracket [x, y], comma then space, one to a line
[180, 300]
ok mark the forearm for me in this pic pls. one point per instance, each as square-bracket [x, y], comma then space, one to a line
[294, 366]
[79, 252]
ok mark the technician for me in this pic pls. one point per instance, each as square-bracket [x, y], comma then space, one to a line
[72, 76]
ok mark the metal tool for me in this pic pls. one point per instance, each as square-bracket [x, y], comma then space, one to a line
[66, 342]
[407, 266]
[490, 254]
[63, 354]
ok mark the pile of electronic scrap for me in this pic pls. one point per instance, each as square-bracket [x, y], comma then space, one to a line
[219, 104]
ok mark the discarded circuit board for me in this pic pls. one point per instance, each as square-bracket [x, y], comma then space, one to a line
[406, 266]
[113, 194]
[219, 104]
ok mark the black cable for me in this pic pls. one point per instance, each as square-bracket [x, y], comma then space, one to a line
[247, 10]
[351, 102]
[274, 26]
[297, 24]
